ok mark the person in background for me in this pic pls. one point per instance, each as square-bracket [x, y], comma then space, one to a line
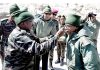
[58, 18]
[93, 24]
[61, 44]
[54, 16]
[45, 28]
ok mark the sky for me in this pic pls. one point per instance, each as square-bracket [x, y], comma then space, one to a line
[52, 1]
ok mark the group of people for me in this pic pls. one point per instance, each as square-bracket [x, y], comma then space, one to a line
[26, 39]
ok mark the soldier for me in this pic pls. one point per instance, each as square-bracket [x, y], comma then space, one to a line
[22, 46]
[53, 17]
[6, 27]
[61, 43]
[45, 29]
[81, 51]
[94, 25]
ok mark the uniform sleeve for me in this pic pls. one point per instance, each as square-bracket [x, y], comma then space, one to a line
[54, 30]
[90, 56]
[32, 46]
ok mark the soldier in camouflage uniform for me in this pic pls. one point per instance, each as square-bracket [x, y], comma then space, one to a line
[22, 46]
[6, 27]
[61, 43]
[81, 51]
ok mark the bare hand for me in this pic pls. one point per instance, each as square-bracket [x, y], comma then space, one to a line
[60, 32]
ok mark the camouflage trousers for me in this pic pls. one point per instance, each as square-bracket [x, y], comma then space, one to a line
[61, 49]
[51, 54]
[28, 66]
[20, 67]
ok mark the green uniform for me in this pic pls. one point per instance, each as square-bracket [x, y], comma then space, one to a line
[81, 52]
[45, 30]
[94, 28]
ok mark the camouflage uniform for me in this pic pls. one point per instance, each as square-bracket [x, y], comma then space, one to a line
[6, 27]
[21, 49]
[61, 46]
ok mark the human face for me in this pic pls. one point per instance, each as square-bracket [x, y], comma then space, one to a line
[52, 16]
[69, 29]
[93, 18]
[47, 16]
[62, 20]
[58, 18]
[28, 24]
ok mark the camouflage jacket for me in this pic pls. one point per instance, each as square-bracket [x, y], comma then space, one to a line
[6, 28]
[22, 47]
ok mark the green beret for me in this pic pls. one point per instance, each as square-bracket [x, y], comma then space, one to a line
[14, 9]
[47, 9]
[24, 16]
[73, 19]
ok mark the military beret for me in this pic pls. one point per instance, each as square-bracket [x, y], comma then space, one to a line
[47, 9]
[23, 16]
[73, 19]
[54, 11]
[14, 9]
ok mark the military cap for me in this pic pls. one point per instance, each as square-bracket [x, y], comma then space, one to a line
[54, 11]
[14, 9]
[23, 16]
[73, 19]
[47, 9]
